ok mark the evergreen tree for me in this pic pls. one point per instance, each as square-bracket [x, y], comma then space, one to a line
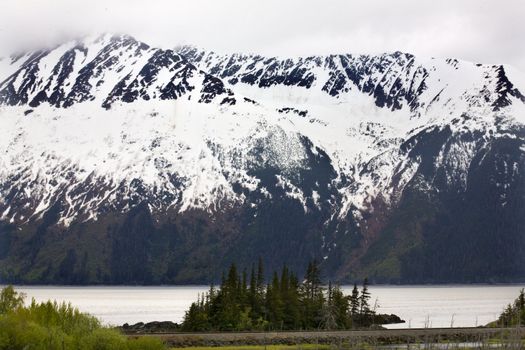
[514, 314]
[290, 299]
[261, 291]
[274, 303]
[231, 285]
[252, 297]
[285, 280]
[229, 309]
[354, 301]
[364, 304]
[244, 288]
[195, 319]
[312, 280]
[329, 312]
[520, 306]
[292, 313]
[312, 298]
[284, 303]
[260, 277]
[340, 308]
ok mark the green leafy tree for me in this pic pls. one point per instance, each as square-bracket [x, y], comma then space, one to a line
[10, 299]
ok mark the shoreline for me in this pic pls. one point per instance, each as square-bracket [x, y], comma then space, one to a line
[383, 336]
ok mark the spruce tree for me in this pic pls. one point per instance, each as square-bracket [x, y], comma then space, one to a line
[285, 303]
[341, 305]
[520, 305]
[337, 309]
[365, 311]
[329, 312]
[252, 297]
[312, 297]
[354, 301]
[292, 313]
[260, 277]
[514, 314]
[274, 303]
[229, 310]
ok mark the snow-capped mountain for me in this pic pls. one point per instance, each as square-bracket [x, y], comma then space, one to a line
[107, 68]
[123, 163]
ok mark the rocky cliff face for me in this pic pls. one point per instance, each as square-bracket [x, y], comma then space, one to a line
[122, 163]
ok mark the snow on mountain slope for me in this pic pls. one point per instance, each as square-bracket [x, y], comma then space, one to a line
[107, 68]
[361, 108]
[107, 160]
[168, 161]
[395, 81]
[103, 124]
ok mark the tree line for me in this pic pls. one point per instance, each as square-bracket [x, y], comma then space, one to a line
[248, 302]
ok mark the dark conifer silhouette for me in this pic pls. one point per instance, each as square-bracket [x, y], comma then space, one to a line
[247, 303]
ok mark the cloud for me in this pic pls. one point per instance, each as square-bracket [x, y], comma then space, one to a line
[476, 30]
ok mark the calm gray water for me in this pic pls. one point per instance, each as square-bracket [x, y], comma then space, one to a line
[420, 306]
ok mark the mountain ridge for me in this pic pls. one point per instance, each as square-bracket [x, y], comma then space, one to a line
[204, 154]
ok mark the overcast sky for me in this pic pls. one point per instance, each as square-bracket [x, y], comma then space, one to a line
[475, 30]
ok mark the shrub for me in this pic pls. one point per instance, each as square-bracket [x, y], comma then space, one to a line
[104, 339]
[53, 326]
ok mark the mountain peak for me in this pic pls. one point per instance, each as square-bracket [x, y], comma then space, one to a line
[107, 69]
[366, 161]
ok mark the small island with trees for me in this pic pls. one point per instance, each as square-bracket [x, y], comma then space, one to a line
[248, 302]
